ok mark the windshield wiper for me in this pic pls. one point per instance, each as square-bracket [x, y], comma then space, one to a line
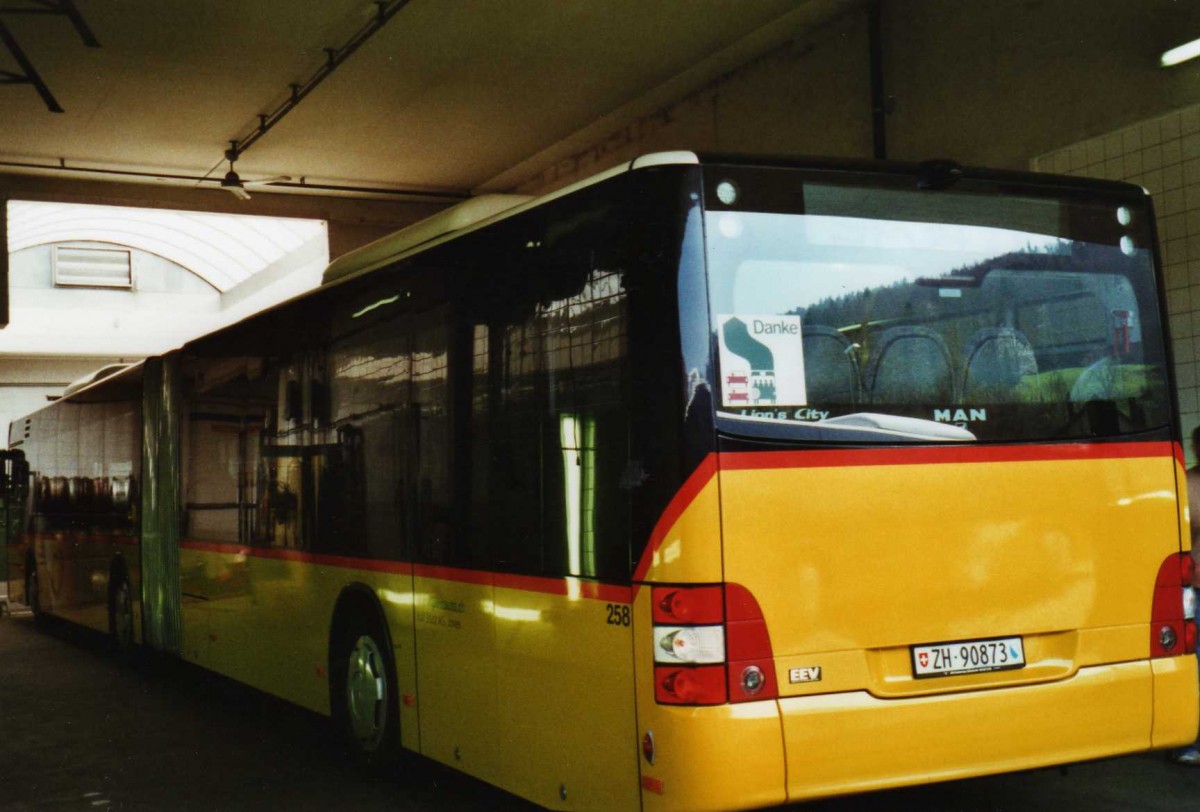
[895, 424]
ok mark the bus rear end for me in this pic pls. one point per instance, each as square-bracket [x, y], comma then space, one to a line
[940, 532]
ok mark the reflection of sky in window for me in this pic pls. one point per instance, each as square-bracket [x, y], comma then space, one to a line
[785, 261]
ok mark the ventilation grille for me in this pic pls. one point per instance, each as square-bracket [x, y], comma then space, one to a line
[92, 267]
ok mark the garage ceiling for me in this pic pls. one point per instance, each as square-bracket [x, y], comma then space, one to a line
[449, 95]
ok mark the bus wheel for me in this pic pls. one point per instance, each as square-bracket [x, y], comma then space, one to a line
[120, 617]
[365, 691]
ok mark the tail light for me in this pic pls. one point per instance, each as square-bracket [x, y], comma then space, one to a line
[710, 646]
[1172, 615]
[751, 660]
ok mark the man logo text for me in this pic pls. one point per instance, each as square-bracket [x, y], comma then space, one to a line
[959, 415]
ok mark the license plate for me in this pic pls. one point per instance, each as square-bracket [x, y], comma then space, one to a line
[968, 657]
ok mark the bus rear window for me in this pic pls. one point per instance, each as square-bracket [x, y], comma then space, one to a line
[936, 316]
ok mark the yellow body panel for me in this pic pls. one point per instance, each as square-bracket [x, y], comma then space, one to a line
[689, 550]
[1176, 702]
[503, 671]
[853, 564]
[851, 742]
[876, 558]
[75, 572]
[266, 621]
[456, 674]
[566, 690]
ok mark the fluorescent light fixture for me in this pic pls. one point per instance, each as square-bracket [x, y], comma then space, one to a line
[1183, 53]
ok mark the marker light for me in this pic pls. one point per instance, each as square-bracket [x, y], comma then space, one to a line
[727, 192]
[1182, 53]
[648, 746]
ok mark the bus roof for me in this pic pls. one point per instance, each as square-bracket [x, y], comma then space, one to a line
[469, 215]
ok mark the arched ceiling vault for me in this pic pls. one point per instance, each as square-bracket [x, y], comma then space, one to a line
[222, 249]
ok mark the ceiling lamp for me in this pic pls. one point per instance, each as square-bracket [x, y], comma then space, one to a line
[1182, 53]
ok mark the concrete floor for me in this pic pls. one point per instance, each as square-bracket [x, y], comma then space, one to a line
[81, 731]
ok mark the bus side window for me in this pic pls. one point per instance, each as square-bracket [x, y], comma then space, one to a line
[549, 399]
[428, 444]
[363, 504]
[229, 448]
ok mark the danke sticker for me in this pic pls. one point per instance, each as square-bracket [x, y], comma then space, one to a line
[762, 361]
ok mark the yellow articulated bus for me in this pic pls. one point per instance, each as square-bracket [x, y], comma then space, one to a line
[707, 483]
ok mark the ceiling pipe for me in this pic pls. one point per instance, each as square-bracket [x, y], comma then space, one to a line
[361, 191]
[334, 57]
[64, 7]
[28, 75]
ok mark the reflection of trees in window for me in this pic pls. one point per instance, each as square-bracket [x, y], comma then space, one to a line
[913, 300]
[1053, 294]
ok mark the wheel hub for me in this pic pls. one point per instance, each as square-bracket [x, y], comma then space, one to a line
[367, 693]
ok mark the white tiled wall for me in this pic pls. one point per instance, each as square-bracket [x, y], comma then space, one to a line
[1162, 155]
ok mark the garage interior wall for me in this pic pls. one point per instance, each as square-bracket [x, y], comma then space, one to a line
[987, 83]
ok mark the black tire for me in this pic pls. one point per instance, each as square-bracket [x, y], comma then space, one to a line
[120, 617]
[364, 695]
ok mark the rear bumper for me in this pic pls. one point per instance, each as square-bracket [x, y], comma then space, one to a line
[853, 742]
[764, 753]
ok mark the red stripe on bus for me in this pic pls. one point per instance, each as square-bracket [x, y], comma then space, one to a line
[86, 537]
[925, 455]
[215, 547]
[283, 554]
[568, 585]
[679, 503]
[613, 593]
[456, 574]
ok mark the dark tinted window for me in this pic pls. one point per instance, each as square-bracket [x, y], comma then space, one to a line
[549, 422]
